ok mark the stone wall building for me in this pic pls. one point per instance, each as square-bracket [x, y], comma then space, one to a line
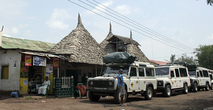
[116, 43]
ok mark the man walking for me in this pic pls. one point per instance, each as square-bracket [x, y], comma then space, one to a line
[121, 86]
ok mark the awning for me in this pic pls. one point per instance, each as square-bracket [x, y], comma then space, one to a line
[45, 55]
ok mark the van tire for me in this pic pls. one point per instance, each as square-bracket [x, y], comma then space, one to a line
[149, 93]
[117, 96]
[207, 86]
[185, 89]
[167, 91]
[93, 97]
[195, 87]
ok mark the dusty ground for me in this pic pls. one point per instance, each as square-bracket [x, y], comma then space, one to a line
[192, 101]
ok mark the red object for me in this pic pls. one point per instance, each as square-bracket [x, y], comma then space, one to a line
[28, 60]
[56, 62]
[82, 89]
[159, 62]
[25, 69]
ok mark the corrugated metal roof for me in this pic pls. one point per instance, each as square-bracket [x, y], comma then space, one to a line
[24, 44]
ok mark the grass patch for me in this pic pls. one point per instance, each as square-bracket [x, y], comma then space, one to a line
[29, 98]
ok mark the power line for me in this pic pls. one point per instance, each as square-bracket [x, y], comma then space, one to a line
[145, 29]
[138, 24]
[172, 45]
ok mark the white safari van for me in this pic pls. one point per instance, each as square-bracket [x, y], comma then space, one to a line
[199, 77]
[172, 77]
[139, 78]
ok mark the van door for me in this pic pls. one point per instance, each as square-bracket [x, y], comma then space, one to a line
[201, 80]
[198, 78]
[134, 82]
[173, 79]
[178, 78]
[142, 81]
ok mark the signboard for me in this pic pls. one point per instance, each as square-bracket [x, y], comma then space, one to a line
[25, 82]
[82, 89]
[39, 61]
[28, 60]
[49, 69]
[56, 62]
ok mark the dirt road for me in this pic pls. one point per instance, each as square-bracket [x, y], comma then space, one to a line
[192, 101]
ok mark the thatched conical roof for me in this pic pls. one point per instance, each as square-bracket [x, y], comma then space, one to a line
[129, 45]
[80, 46]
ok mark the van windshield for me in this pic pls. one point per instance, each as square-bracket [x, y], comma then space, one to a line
[162, 71]
[112, 70]
[192, 73]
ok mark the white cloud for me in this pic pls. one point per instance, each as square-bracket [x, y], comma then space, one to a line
[58, 19]
[123, 9]
[10, 8]
[15, 30]
[101, 7]
[210, 37]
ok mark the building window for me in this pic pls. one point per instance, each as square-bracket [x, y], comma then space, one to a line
[4, 72]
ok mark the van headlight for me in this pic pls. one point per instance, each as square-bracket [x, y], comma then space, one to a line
[160, 83]
[110, 83]
[91, 82]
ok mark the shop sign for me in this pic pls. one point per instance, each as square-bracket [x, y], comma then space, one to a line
[56, 62]
[49, 69]
[39, 61]
[25, 82]
[28, 60]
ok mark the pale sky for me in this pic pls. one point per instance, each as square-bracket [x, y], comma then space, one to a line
[188, 22]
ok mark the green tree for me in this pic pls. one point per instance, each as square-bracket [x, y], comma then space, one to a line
[186, 59]
[172, 58]
[210, 2]
[205, 56]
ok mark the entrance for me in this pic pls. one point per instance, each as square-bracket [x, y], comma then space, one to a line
[35, 76]
[73, 73]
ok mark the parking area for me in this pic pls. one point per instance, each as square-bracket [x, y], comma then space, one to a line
[191, 101]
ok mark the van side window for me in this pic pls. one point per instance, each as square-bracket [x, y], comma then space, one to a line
[149, 71]
[183, 72]
[205, 73]
[172, 74]
[201, 74]
[141, 72]
[198, 75]
[133, 72]
[177, 73]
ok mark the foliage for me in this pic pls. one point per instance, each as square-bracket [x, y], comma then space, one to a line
[205, 56]
[210, 2]
[172, 58]
[186, 59]
[29, 98]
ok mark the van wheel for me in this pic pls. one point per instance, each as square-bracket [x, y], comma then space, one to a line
[195, 88]
[185, 89]
[167, 92]
[212, 87]
[93, 97]
[149, 93]
[117, 96]
[207, 86]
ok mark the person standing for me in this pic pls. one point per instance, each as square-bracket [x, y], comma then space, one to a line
[121, 86]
